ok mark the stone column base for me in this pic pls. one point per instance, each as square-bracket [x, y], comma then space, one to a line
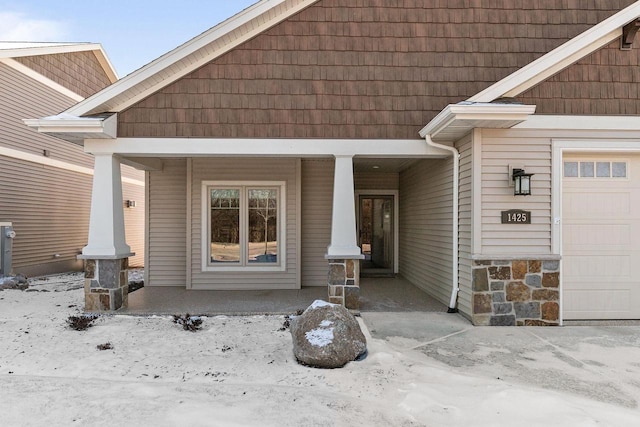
[344, 282]
[106, 284]
[520, 292]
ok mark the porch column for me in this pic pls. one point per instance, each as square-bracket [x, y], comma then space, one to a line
[343, 253]
[106, 256]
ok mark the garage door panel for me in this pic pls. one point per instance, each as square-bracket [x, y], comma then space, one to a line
[583, 204]
[601, 241]
[589, 268]
[594, 236]
[610, 303]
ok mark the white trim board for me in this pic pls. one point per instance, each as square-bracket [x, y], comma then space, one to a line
[12, 63]
[559, 122]
[155, 147]
[476, 192]
[42, 160]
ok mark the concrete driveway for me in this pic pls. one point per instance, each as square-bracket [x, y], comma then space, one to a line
[598, 362]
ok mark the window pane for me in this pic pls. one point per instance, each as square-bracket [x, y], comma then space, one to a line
[570, 169]
[619, 169]
[603, 169]
[586, 169]
[263, 225]
[225, 225]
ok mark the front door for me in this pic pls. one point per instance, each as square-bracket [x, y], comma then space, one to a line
[376, 234]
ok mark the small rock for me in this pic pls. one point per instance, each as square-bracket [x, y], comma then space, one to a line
[327, 336]
[9, 284]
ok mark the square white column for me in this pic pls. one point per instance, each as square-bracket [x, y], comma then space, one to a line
[106, 221]
[344, 242]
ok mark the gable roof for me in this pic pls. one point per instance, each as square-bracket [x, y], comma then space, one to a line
[343, 69]
[12, 50]
[190, 56]
[558, 59]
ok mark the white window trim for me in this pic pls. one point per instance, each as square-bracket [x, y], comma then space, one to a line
[206, 220]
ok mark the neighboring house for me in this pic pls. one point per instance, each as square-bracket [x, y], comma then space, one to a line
[259, 134]
[45, 183]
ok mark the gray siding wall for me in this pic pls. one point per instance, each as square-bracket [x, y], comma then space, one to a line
[244, 170]
[167, 258]
[49, 216]
[24, 98]
[465, 225]
[426, 226]
[134, 220]
[317, 201]
[533, 151]
[49, 206]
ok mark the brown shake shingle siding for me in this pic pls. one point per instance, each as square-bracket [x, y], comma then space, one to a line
[606, 82]
[79, 72]
[361, 69]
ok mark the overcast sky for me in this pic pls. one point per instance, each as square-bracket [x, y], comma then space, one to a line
[133, 32]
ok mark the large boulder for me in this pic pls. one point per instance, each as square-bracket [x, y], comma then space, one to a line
[327, 336]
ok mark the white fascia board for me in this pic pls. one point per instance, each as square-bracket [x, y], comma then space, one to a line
[37, 49]
[471, 112]
[555, 122]
[555, 61]
[29, 72]
[97, 102]
[64, 125]
[106, 64]
[193, 147]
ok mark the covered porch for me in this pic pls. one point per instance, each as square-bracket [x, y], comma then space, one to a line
[377, 295]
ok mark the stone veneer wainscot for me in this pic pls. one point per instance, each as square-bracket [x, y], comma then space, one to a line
[520, 292]
[106, 284]
[344, 282]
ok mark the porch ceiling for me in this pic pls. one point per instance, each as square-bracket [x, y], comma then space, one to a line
[361, 165]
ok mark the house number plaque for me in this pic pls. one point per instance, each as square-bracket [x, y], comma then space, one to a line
[516, 216]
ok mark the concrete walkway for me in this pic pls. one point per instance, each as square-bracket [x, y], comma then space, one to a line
[595, 361]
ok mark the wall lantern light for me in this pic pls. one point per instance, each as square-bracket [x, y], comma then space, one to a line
[521, 182]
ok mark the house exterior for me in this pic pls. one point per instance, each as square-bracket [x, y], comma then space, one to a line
[304, 142]
[45, 183]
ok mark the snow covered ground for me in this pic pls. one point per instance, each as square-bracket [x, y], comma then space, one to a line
[240, 371]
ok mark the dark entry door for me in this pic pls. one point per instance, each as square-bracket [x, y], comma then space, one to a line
[376, 234]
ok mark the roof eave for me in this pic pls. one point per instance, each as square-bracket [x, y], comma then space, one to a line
[75, 129]
[456, 120]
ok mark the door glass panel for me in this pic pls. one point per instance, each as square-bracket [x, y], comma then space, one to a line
[376, 234]
[263, 225]
[365, 228]
[225, 225]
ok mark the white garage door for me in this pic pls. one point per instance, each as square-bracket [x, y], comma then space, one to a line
[601, 237]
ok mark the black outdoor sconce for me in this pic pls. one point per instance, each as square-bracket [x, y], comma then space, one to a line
[521, 182]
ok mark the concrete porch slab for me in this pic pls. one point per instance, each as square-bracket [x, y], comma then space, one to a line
[376, 294]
